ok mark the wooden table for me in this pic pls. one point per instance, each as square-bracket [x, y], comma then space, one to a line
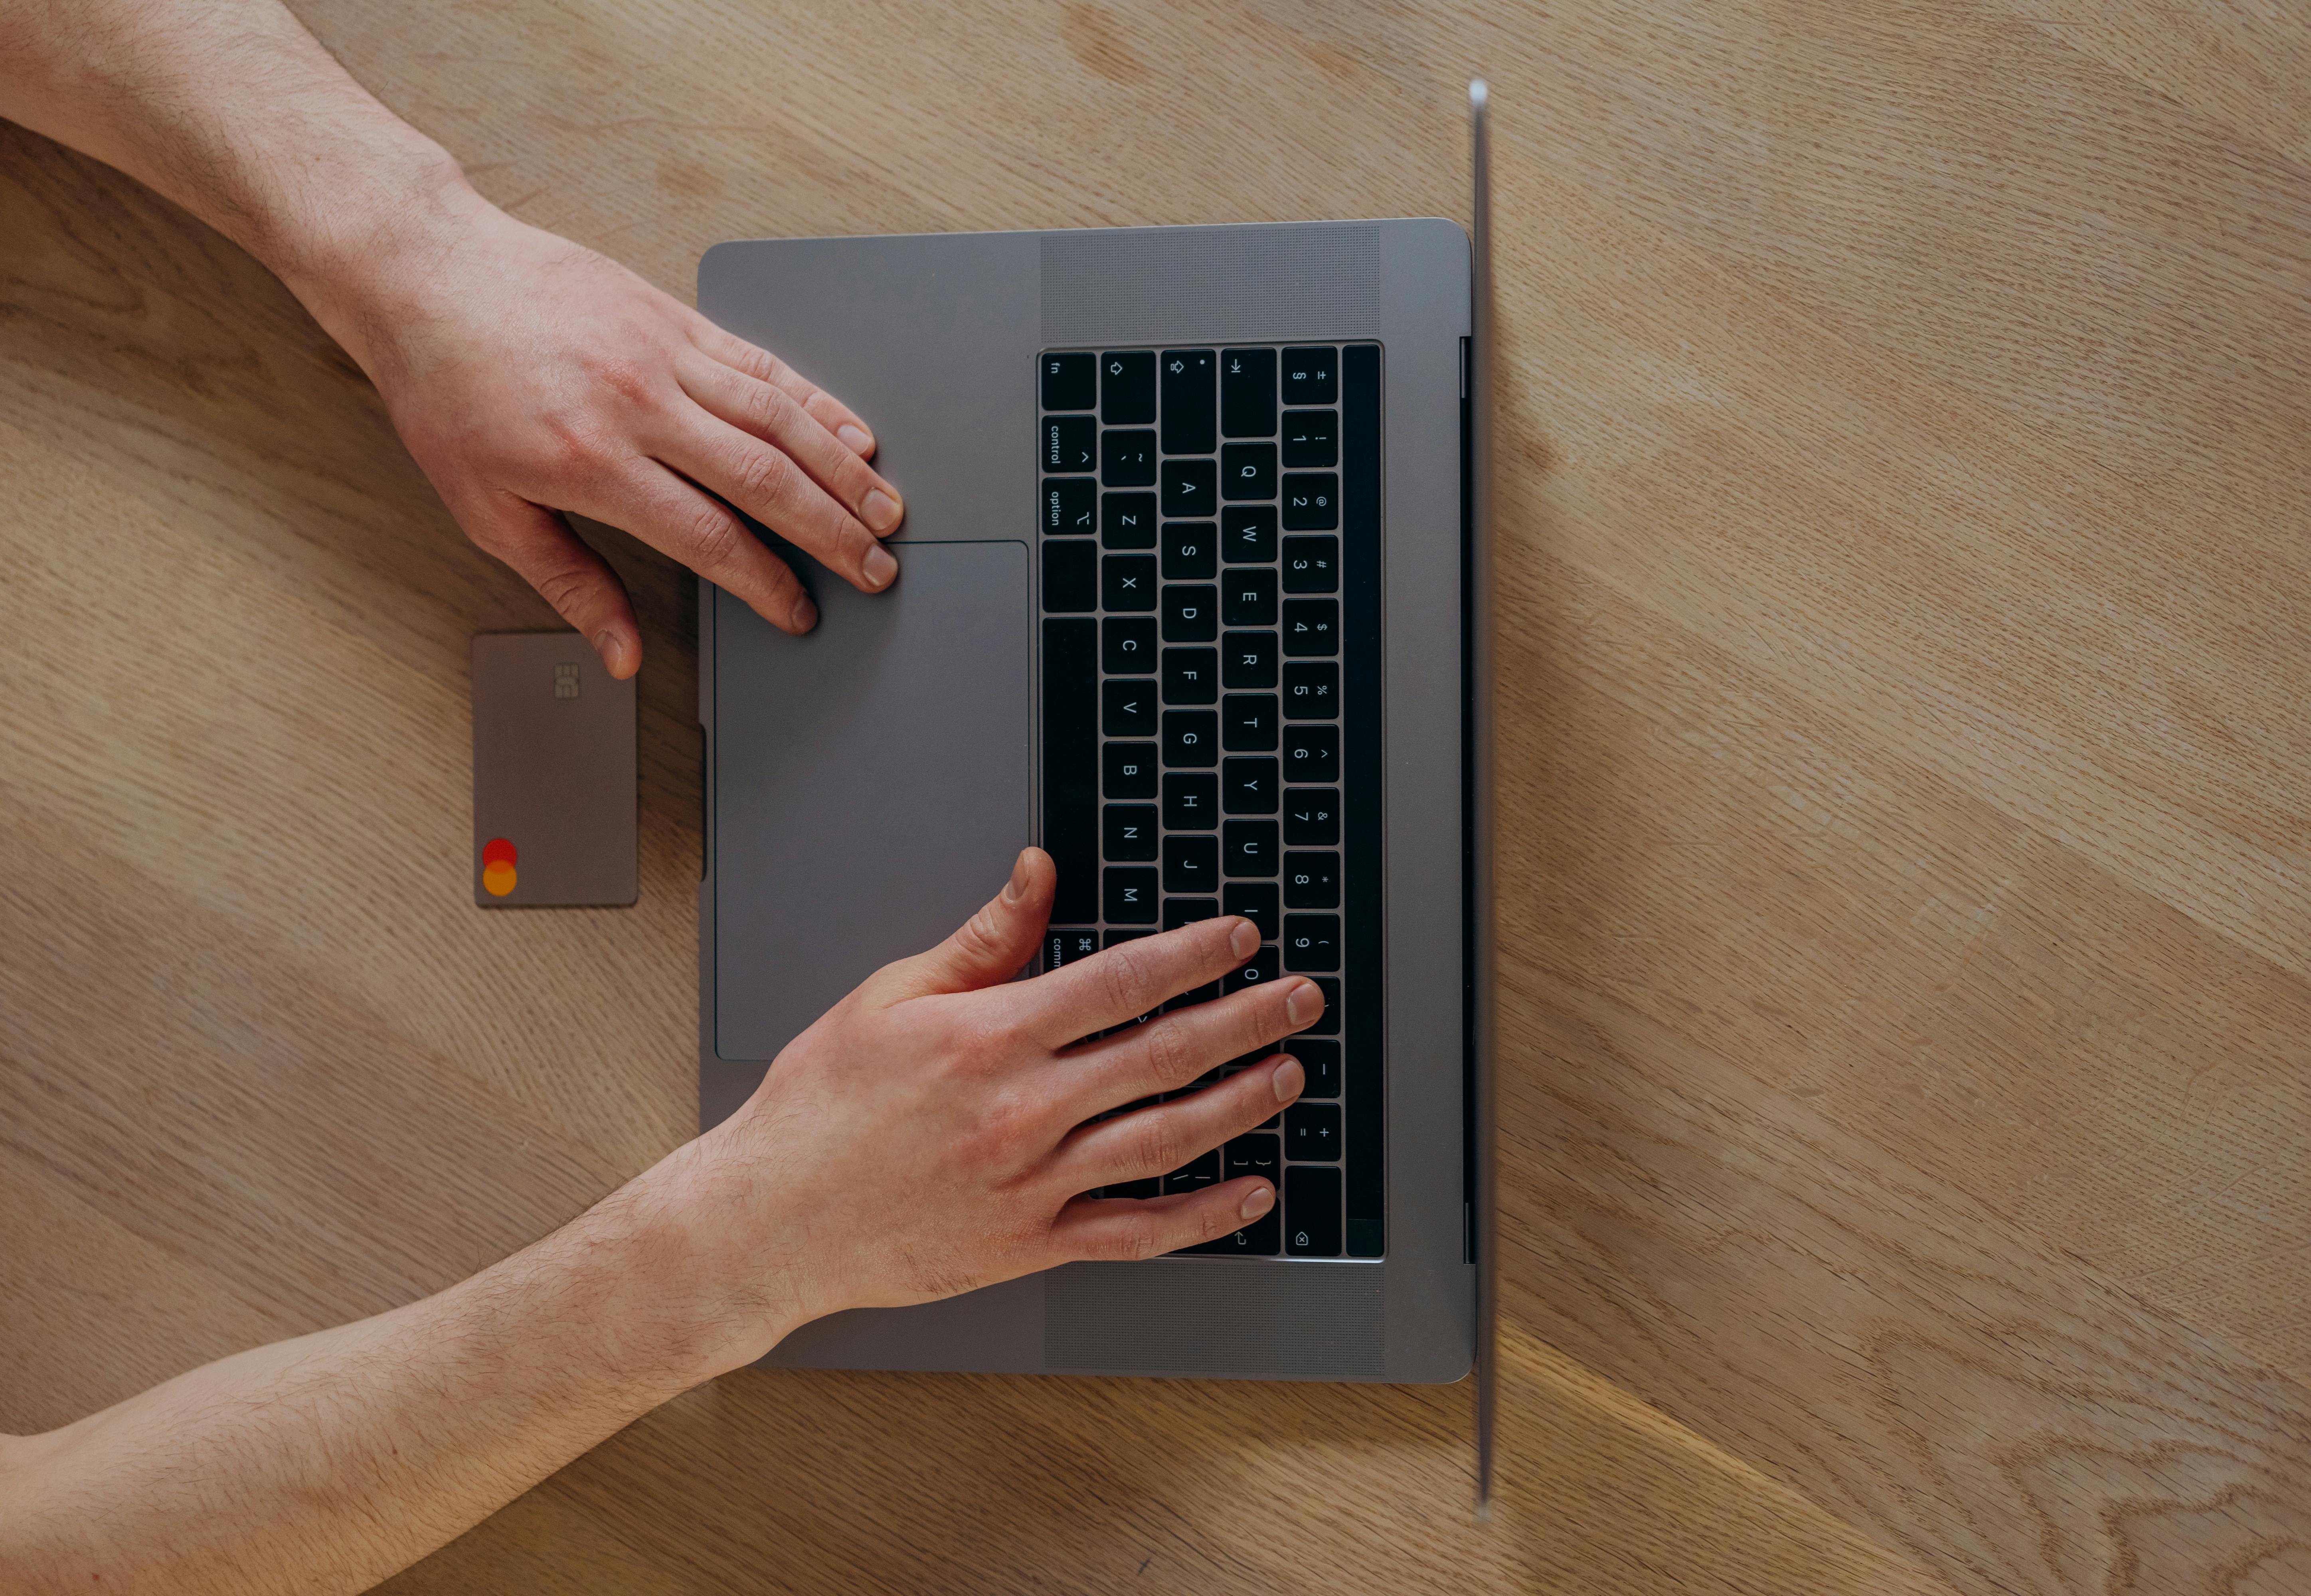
[1906, 667]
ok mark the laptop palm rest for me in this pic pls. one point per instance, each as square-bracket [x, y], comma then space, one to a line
[872, 784]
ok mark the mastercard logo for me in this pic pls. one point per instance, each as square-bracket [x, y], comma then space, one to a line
[498, 857]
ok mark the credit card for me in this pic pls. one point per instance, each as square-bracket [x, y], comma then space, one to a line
[554, 777]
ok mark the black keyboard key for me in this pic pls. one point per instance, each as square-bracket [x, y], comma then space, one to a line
[1311, 375]
[1248, 471]
[1248, 723]
[1312, 1211]
[1321, 1062]
[1312, 690]
[1071, 766]
[1311, 880]
[1262, 1238]
[1312, 500]
[1327, 1023]
[1070, 381]
[1196, 1174]
[1070, 577]
[1070, 444]
[1248, 598]
[1127, 646]
[1250, 786]
[1250, 848]
[1248, 660]
[1065, 947]
[1127, 389]
[1126, 581]
[1131, 896]
[1192, 865]
[1190, 488]
[1128, 834]
[1312, 1133]
[1311, 437]
[1248, 534]
[1129, 771]
[1253, 972]
[1256, 901]
[1310, 941]
[1071, 506]
[1127, 520]
[1190, 551]
[1312, 753]
[1311, 565]
[1191, 613]
[1191, 419]
[1247, 393]
[1191, 676]
[1127, 707]
[1192, 740]
[1192, 801]
[1149, 1188]
[1311, 626]
[1252, 1155]
[1187, 911]
[1312, 816]
[1127, 460]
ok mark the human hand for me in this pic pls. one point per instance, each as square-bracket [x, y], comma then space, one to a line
[934, 1131]
[530, 377]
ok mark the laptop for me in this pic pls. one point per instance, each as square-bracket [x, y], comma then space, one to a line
[1183, 599]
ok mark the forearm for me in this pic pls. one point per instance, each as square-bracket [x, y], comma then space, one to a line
[327, 1463]
[233, 110]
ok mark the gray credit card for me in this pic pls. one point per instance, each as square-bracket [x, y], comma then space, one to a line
[554, 775]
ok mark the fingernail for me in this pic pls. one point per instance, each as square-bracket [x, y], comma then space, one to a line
[854, 438]
[881, 511]
[1244, 940]
[1259, 1203]
[1303, 1003]
[878, 567]
[1019, 882]
[612, 648]
[1287, 1080]
[805, 614]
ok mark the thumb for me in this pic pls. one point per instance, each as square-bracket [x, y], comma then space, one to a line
[991, 946]
[540, 546]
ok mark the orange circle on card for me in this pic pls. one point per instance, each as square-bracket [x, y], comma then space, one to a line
[498, 851]
[497, 878]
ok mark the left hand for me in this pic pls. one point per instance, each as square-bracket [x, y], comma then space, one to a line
[530, 377]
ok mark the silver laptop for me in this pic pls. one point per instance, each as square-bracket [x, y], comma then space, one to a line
[1183, 587]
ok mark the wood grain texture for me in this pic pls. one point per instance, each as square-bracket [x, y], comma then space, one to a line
[1903, 765]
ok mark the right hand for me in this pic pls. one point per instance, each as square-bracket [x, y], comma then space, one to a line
[936, 1129]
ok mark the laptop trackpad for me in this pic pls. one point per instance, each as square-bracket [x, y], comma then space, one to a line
[873, 781]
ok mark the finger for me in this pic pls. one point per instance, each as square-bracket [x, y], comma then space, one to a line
[1165, 1054]
[768, 411]
[577, 583]
[991, 946]
[830, 413]
[1131, 977]
[1111, 1228]
[1155, 1141]
[676, 518]
[767, 484]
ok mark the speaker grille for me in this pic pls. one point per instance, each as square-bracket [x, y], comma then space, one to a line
[1215, 1316]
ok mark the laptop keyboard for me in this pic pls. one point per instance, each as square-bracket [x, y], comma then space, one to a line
[1210, 718]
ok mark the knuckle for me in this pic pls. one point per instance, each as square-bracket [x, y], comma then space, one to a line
[1125, 978]
[712, 539]
[1159, 1145]
[563, 588]
[764, 476]
[1168, 1055]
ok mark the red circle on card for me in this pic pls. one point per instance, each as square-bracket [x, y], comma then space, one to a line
[497, 851]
